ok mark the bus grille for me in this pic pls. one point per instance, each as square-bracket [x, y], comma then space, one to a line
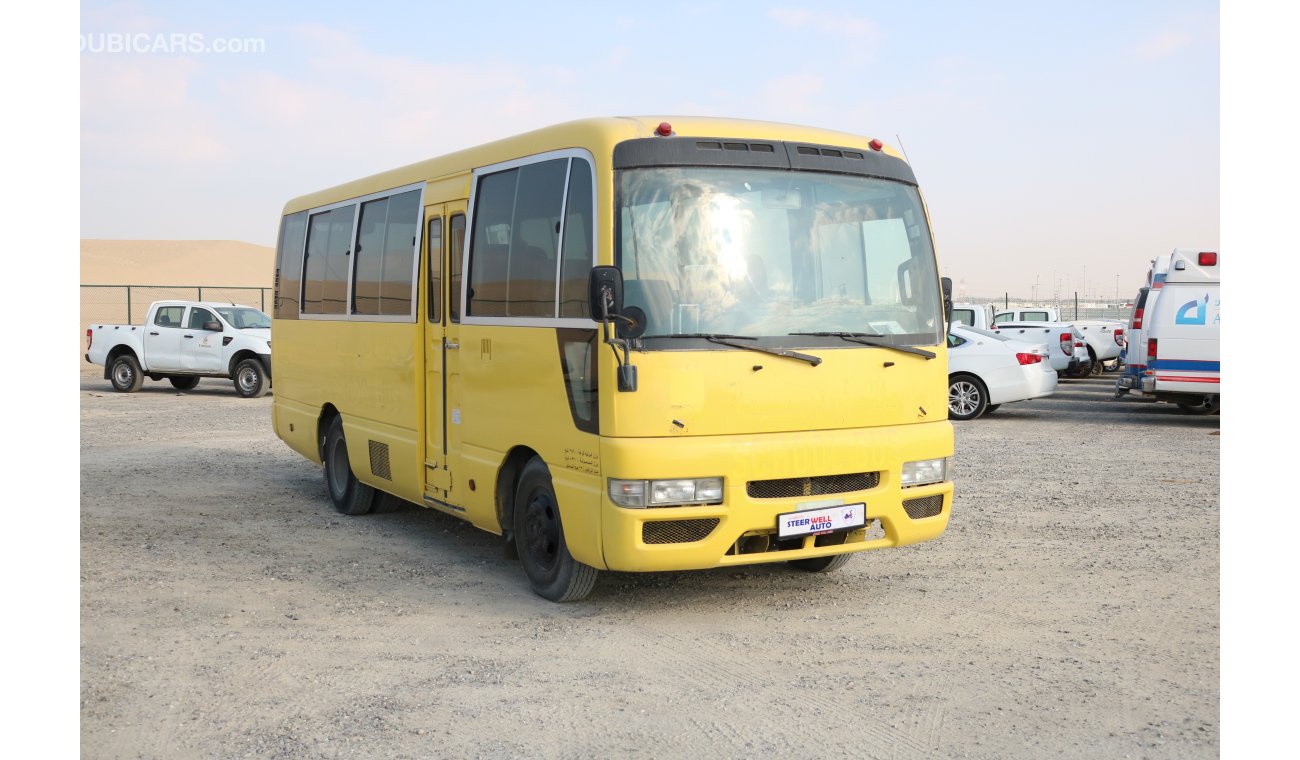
[677, 531]
[927, 507]
[820, 485]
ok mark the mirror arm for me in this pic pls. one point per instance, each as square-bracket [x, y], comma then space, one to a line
[626, 372]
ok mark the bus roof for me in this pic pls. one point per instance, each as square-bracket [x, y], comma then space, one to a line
[599, 135]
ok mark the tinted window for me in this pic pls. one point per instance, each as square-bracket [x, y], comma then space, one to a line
[1004, 318]
[456, 248]
[385, 255]
[513, 254]
[1033, 316]
[288, 267]
[576, 252]
[963, 317]
[325, 275]
[954, 341]
[199, 316]
[435, 269]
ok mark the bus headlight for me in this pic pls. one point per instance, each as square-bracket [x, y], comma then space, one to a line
[926, 471]
[665, 493]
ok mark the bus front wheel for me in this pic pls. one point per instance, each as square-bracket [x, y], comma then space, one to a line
[349, 495]
[552, 571]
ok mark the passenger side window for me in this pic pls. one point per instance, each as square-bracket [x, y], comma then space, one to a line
[325, 275]
[532, 241]
[384, 280]
[963, 317]
[198, 316]
[169, 316]
[999, 319]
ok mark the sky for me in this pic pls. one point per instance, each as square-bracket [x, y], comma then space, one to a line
[1060, 147]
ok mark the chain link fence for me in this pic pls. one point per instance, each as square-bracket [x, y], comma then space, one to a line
[1071, 308]
[129, 304]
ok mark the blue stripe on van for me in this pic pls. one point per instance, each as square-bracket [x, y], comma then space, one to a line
[1185, 364]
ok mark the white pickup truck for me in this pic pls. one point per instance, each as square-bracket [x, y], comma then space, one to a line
[1104, 337]
[182, 341]
[1067, 353]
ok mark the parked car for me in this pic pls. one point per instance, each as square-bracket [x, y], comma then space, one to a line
[987, 369]
[1060, 339]
[1104, 337]
[183, 341]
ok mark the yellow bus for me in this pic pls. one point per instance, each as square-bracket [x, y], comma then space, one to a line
[630, 344]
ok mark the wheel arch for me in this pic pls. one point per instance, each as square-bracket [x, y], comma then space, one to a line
[507, 483]
[114, 353]
[327, 415]
[242, 354]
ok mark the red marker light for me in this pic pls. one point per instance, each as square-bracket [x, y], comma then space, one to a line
[1207, 258]
[1137, 319]
[876, 145]
[90, 338]
[664, 129]
[1028, 358]
[1151, 351]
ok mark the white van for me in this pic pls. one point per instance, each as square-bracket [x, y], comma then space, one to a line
[1179, 361]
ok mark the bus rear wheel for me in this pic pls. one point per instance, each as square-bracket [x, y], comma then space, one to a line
[349, 495]
[552, 571]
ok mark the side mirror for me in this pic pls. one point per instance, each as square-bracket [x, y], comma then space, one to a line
[212, 326]
[946, 283]
[605, 293]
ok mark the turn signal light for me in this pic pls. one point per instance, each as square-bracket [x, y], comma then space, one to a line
[1028, 358]
[1151, 351]
[1067, 343]
[1119, 336]
[1137, 319]
[90, 338]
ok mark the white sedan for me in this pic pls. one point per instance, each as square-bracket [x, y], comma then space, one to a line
[987, 369]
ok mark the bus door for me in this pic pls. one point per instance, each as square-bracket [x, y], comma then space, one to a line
[445, 233]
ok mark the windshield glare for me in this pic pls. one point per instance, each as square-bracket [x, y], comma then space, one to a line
[241, 317]
[769, 253]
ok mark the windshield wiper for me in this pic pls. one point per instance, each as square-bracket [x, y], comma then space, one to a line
[854, 337]
[723, 339]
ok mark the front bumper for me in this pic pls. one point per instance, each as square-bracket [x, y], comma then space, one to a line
[741, 530]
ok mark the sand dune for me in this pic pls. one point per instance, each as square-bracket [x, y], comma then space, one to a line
[176, 262]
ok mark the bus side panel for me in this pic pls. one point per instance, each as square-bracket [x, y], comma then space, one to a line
[295, 424]
[514, 395]
[368, 372]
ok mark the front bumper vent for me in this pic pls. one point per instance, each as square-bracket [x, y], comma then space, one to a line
[927, 507]
[677, 531]
[819, 485]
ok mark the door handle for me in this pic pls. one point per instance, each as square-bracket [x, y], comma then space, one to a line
[448, 344]
[153, 333]
[189, 336]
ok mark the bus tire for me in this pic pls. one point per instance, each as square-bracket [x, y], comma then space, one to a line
[552, 571]
[125, 374]
[821, 564]
[348, 495]
[184, 382]
[250, 379]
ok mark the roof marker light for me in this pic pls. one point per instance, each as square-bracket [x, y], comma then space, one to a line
[876, 144]
[664, 129]
[1207, 258]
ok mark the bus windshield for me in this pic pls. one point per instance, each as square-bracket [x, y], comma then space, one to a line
[242, 317]
[772, 254]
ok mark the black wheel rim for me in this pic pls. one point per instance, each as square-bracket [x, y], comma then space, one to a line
[542, 531]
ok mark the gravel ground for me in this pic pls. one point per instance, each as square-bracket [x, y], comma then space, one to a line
[1071, 610]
